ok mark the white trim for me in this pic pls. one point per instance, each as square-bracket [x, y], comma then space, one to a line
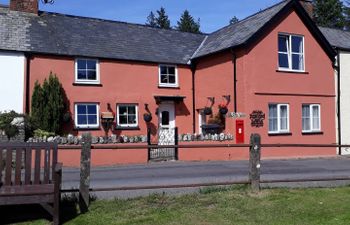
[86, 81]
[279, 130]
[312, 119]
[176, 84]
[89, 125]
[136, 114]
[290, 53]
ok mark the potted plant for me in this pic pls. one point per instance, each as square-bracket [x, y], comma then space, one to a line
[223, 109]
[147, 117]
[207, 111]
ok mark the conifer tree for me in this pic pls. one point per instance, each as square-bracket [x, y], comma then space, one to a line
[37, 105]
[187, 23]
[162, 19]
[234, 20]
[151, 20]
[329, 13]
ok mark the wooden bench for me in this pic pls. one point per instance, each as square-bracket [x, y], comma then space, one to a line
[30, 174]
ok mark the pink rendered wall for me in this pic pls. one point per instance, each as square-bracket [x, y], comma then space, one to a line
[122, 82]
[258, 84]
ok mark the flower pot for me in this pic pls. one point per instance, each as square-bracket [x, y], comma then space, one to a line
[223, 110]
[208, 111]
[147, 117]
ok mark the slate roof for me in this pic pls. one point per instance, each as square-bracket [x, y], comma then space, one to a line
[238, 33]
[337, 38]
[60, 34]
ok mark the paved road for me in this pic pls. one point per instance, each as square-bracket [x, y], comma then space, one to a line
[179, 173]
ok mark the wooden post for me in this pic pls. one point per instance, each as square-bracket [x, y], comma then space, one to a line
[85, 164]
[176, 143]
[254, 161]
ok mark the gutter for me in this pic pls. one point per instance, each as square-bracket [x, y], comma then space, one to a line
[193, 69]
[27, 84]
[234, 61]
[337, 67]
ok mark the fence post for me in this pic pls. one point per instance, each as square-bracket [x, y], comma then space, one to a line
[176, 143]
[254, 161]
[85, 164]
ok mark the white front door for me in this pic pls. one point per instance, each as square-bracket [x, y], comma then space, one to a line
[166, 115]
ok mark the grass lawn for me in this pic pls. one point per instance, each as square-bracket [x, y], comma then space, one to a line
[218, 206]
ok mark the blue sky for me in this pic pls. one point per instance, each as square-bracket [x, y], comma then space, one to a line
[213, 14]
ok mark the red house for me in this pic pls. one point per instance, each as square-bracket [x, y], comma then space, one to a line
[272, 70]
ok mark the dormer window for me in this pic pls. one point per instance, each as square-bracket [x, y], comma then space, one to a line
[168, 76]
[291, 52]
[87, 71]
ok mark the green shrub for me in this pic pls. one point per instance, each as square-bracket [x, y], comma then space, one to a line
[6, 125]
[43, 133]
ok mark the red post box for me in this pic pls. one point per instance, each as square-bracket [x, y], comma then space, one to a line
[239, 131]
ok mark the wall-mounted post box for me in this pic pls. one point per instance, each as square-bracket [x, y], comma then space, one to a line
[239, 131]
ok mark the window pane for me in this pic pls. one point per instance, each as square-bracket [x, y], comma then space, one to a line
[122, 110]
[273, 118]
[297, 44]
[132, 119]
[172, 79]
[81, 64]
[297, 62]
[92, 119]
[163, 70]
[316, 118]
[91, 75]
[81, 109]
[171, 70]
[283, 60]
[284, 117]
[82, 120]
[91, 64]
[165, 118]
[123, 119]
[82, 74]
[164, 79]
[306, 117]
[92, 109]
[282, 43]
[132, 110]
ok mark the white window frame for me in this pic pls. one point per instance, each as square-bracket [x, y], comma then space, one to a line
[92, 126]
[202, 120]
[312, 130]
[136, 112]
[86, 81]
[290, 53]
[176, 84]
[279, 130]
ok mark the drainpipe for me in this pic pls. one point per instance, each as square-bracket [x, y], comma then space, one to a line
[193, 70]
[337, 67]
[27, 84]
[234, 62]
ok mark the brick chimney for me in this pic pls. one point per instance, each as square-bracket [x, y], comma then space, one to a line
[30, 6]
[308, 6]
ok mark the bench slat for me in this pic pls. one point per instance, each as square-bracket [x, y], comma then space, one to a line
[37, 166]
[54, 158]
[47, 165]
[18, 166]
[8, 175]
[28, 166]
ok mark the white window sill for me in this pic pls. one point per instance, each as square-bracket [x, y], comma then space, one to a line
[283, 70]
[168, 85]
[87, 127]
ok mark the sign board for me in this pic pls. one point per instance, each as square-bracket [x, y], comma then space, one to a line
[236, 115]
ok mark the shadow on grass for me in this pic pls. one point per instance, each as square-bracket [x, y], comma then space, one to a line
[69, 209]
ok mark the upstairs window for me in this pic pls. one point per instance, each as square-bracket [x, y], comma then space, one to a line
[86, 71]
[291, 52]
[311, 118]
[278, 118]
[127, 115]
[168, 76]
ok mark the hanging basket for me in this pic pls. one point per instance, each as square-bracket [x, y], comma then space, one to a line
[207, 111]
[147, 117]
[223, 110]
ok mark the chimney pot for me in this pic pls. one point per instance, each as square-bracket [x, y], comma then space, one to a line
[30, 6]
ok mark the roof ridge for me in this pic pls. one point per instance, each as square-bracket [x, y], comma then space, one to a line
[199, 47]
[246, 18]
[116, 21]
